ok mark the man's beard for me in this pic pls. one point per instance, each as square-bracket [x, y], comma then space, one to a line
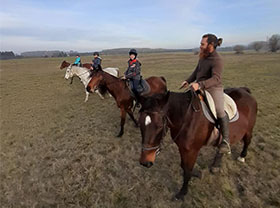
[204, 53]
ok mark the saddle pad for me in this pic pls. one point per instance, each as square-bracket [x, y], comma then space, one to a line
[146, 87]
[229, 106]
[113, 71]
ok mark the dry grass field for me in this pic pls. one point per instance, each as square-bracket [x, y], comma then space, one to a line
[57, 151]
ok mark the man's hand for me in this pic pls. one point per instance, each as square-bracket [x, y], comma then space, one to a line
[184, 84]
[195, 86]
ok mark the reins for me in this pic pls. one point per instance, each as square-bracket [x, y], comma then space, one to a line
[167, 120]
[87, 71]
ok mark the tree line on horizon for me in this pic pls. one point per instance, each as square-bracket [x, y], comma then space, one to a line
[271, 45]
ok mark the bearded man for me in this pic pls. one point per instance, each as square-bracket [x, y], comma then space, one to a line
[207, 76]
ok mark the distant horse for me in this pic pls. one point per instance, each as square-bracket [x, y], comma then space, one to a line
[119, 90]
[84, 75]
[65, 64]
[189, 128]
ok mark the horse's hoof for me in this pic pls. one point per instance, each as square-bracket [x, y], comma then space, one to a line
[120, 134]
[197, 174]
[178, 197]
[241, 159]
[214, 170]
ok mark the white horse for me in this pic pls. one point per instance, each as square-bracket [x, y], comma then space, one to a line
[84, 75]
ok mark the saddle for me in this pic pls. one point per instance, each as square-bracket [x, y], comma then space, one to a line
[143, 88]
[208, 107]
[209, 111]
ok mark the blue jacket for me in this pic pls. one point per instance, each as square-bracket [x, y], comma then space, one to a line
[78, 61]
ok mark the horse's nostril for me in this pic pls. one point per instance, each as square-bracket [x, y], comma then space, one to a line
[147, 164]
[150, 164]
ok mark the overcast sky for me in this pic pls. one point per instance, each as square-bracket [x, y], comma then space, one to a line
[89, 25]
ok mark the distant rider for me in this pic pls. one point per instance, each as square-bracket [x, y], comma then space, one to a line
[96, 62]
[78, 61]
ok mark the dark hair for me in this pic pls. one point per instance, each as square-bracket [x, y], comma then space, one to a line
[212, 39]
[96, 53]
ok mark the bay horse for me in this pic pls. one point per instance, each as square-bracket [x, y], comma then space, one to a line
[65, 64]
[85, 76]
[189, 128]
[118, 88]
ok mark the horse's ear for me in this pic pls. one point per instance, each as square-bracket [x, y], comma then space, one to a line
[166, 97]
[162, 98]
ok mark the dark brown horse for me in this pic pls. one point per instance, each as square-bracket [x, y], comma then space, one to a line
[119, 90]
[190, 130]
[65, 64]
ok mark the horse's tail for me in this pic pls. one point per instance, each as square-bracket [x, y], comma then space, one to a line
[246, 89]
[163, 79]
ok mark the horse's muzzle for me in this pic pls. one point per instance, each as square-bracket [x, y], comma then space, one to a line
[89, 89]
[147, 164]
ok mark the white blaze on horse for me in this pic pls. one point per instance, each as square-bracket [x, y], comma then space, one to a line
[84, 75]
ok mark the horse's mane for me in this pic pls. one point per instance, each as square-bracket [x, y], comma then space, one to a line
[176, 100]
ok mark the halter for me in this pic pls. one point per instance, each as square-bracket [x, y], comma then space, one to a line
[165, 120]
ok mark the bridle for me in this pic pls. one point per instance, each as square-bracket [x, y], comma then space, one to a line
[167, 121]
[70, 69]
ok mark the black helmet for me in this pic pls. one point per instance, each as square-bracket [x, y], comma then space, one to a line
[133, 51]
[96, 53]
[78, 55]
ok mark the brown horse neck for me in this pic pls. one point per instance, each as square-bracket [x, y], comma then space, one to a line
[113, 84]
[181, 112]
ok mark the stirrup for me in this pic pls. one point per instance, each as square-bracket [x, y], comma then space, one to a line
[225, 147]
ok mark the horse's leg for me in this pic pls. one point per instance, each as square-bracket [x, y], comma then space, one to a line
[87, 94]
[123, 115]
[215, 167]
[71, 80]
[247, 141]
[188, 158]
[101, 96]
[130, 113]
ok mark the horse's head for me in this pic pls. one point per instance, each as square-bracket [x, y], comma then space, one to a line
[153, 126]
[96, 78]
[64, 64]
[69, 72]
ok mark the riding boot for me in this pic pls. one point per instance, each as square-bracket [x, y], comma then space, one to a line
[137, 104]
[224, 128]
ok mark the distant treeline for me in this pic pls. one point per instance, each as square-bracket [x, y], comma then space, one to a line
[272, 44]
[8, 55]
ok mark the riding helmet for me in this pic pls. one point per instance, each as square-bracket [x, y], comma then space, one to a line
[96, 53]
[133, 51]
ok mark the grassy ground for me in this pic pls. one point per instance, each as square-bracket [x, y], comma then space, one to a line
[57, 151]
